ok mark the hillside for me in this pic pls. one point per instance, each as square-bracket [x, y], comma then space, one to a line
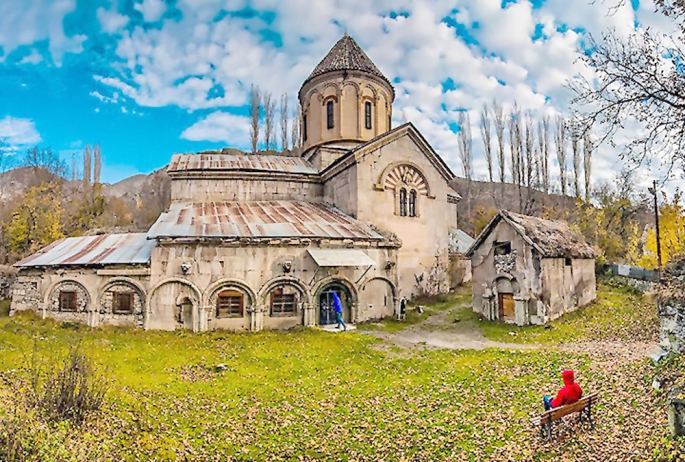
[483, 197]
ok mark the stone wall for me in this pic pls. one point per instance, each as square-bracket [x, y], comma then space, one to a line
[107, 314]
[672, 319]
[7, 278]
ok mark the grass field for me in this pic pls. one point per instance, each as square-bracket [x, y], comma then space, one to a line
[311, 395]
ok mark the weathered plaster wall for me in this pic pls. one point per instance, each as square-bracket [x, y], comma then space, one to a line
[341, 191]
[256, 271]
[38, 290]
[252, 188]
[544, 288]
[566, 287]
[349, 91]
[484, 267]
[423, 237]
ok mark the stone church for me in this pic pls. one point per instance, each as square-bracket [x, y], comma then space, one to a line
[255, 242]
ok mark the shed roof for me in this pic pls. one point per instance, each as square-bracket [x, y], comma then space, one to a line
[245, 163]
[105, 249]
[259, 219]
[551, 238]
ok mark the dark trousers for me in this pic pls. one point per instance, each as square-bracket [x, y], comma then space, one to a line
[338, 317]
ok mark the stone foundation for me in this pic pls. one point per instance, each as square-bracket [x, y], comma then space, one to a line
[672, 319]
[676, 412]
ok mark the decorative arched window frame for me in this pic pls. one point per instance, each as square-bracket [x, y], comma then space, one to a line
[368, 115]
[229, 303]
[409, 187]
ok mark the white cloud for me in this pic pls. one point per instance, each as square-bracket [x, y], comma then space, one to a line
[33, 58]
[220, 126]
[18, 133]
[28, 21]
[111, 21]
[196, 63]
[105, 99]
[152, 10]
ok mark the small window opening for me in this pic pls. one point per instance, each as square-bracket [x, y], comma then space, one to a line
[567, 261]
[389, 122]
[502, 248]
[367, 115]
[68, 301]
[122, 303]
[403, 202]
[304, 127]
[283, 304]
[329, 113]
[412, 204]
[229, 303]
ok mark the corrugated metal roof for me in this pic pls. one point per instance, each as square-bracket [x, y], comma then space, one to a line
[105, 249]
[259, 219]
[340, 257]
[230, 162]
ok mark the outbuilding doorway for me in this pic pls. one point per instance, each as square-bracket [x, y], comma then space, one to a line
[326, 310]
[507, 307]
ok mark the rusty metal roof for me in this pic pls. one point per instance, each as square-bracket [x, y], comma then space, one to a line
[106, 249]
[245, 163]
[259, 219]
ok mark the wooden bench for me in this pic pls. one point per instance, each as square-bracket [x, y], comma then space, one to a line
[545, 421]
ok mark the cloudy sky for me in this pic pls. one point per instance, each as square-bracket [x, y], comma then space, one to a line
[147, 78]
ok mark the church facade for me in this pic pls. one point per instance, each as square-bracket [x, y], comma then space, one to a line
[252, 242]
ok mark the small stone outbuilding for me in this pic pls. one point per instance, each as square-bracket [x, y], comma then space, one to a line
[528, 270]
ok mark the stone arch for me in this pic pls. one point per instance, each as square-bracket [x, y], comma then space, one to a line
[332, 85]
[214, 289]
[506, 283]
[324, 311]
[373, 89]
[349, 285]
[105, 302]
[379, 300]
[382, 278]
[134, 285]
[351, 84]
[399, 172]
[166, 315]
[84, 299]
[287, 281]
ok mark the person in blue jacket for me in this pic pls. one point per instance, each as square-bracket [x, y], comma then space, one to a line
[337, 306]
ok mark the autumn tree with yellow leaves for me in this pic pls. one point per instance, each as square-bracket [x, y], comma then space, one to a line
[671, 229]
[36, 222]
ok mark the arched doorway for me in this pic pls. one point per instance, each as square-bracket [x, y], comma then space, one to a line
[326, 310]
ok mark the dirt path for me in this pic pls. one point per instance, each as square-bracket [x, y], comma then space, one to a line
[466, 338]
[437, 331]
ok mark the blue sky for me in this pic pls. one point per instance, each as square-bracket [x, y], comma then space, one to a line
[147, 78]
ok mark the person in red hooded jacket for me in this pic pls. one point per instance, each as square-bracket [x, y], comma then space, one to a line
[569, 394]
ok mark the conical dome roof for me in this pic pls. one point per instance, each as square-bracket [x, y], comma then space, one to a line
[346, 55]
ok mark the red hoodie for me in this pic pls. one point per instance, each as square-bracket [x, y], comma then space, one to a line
[570, 393]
